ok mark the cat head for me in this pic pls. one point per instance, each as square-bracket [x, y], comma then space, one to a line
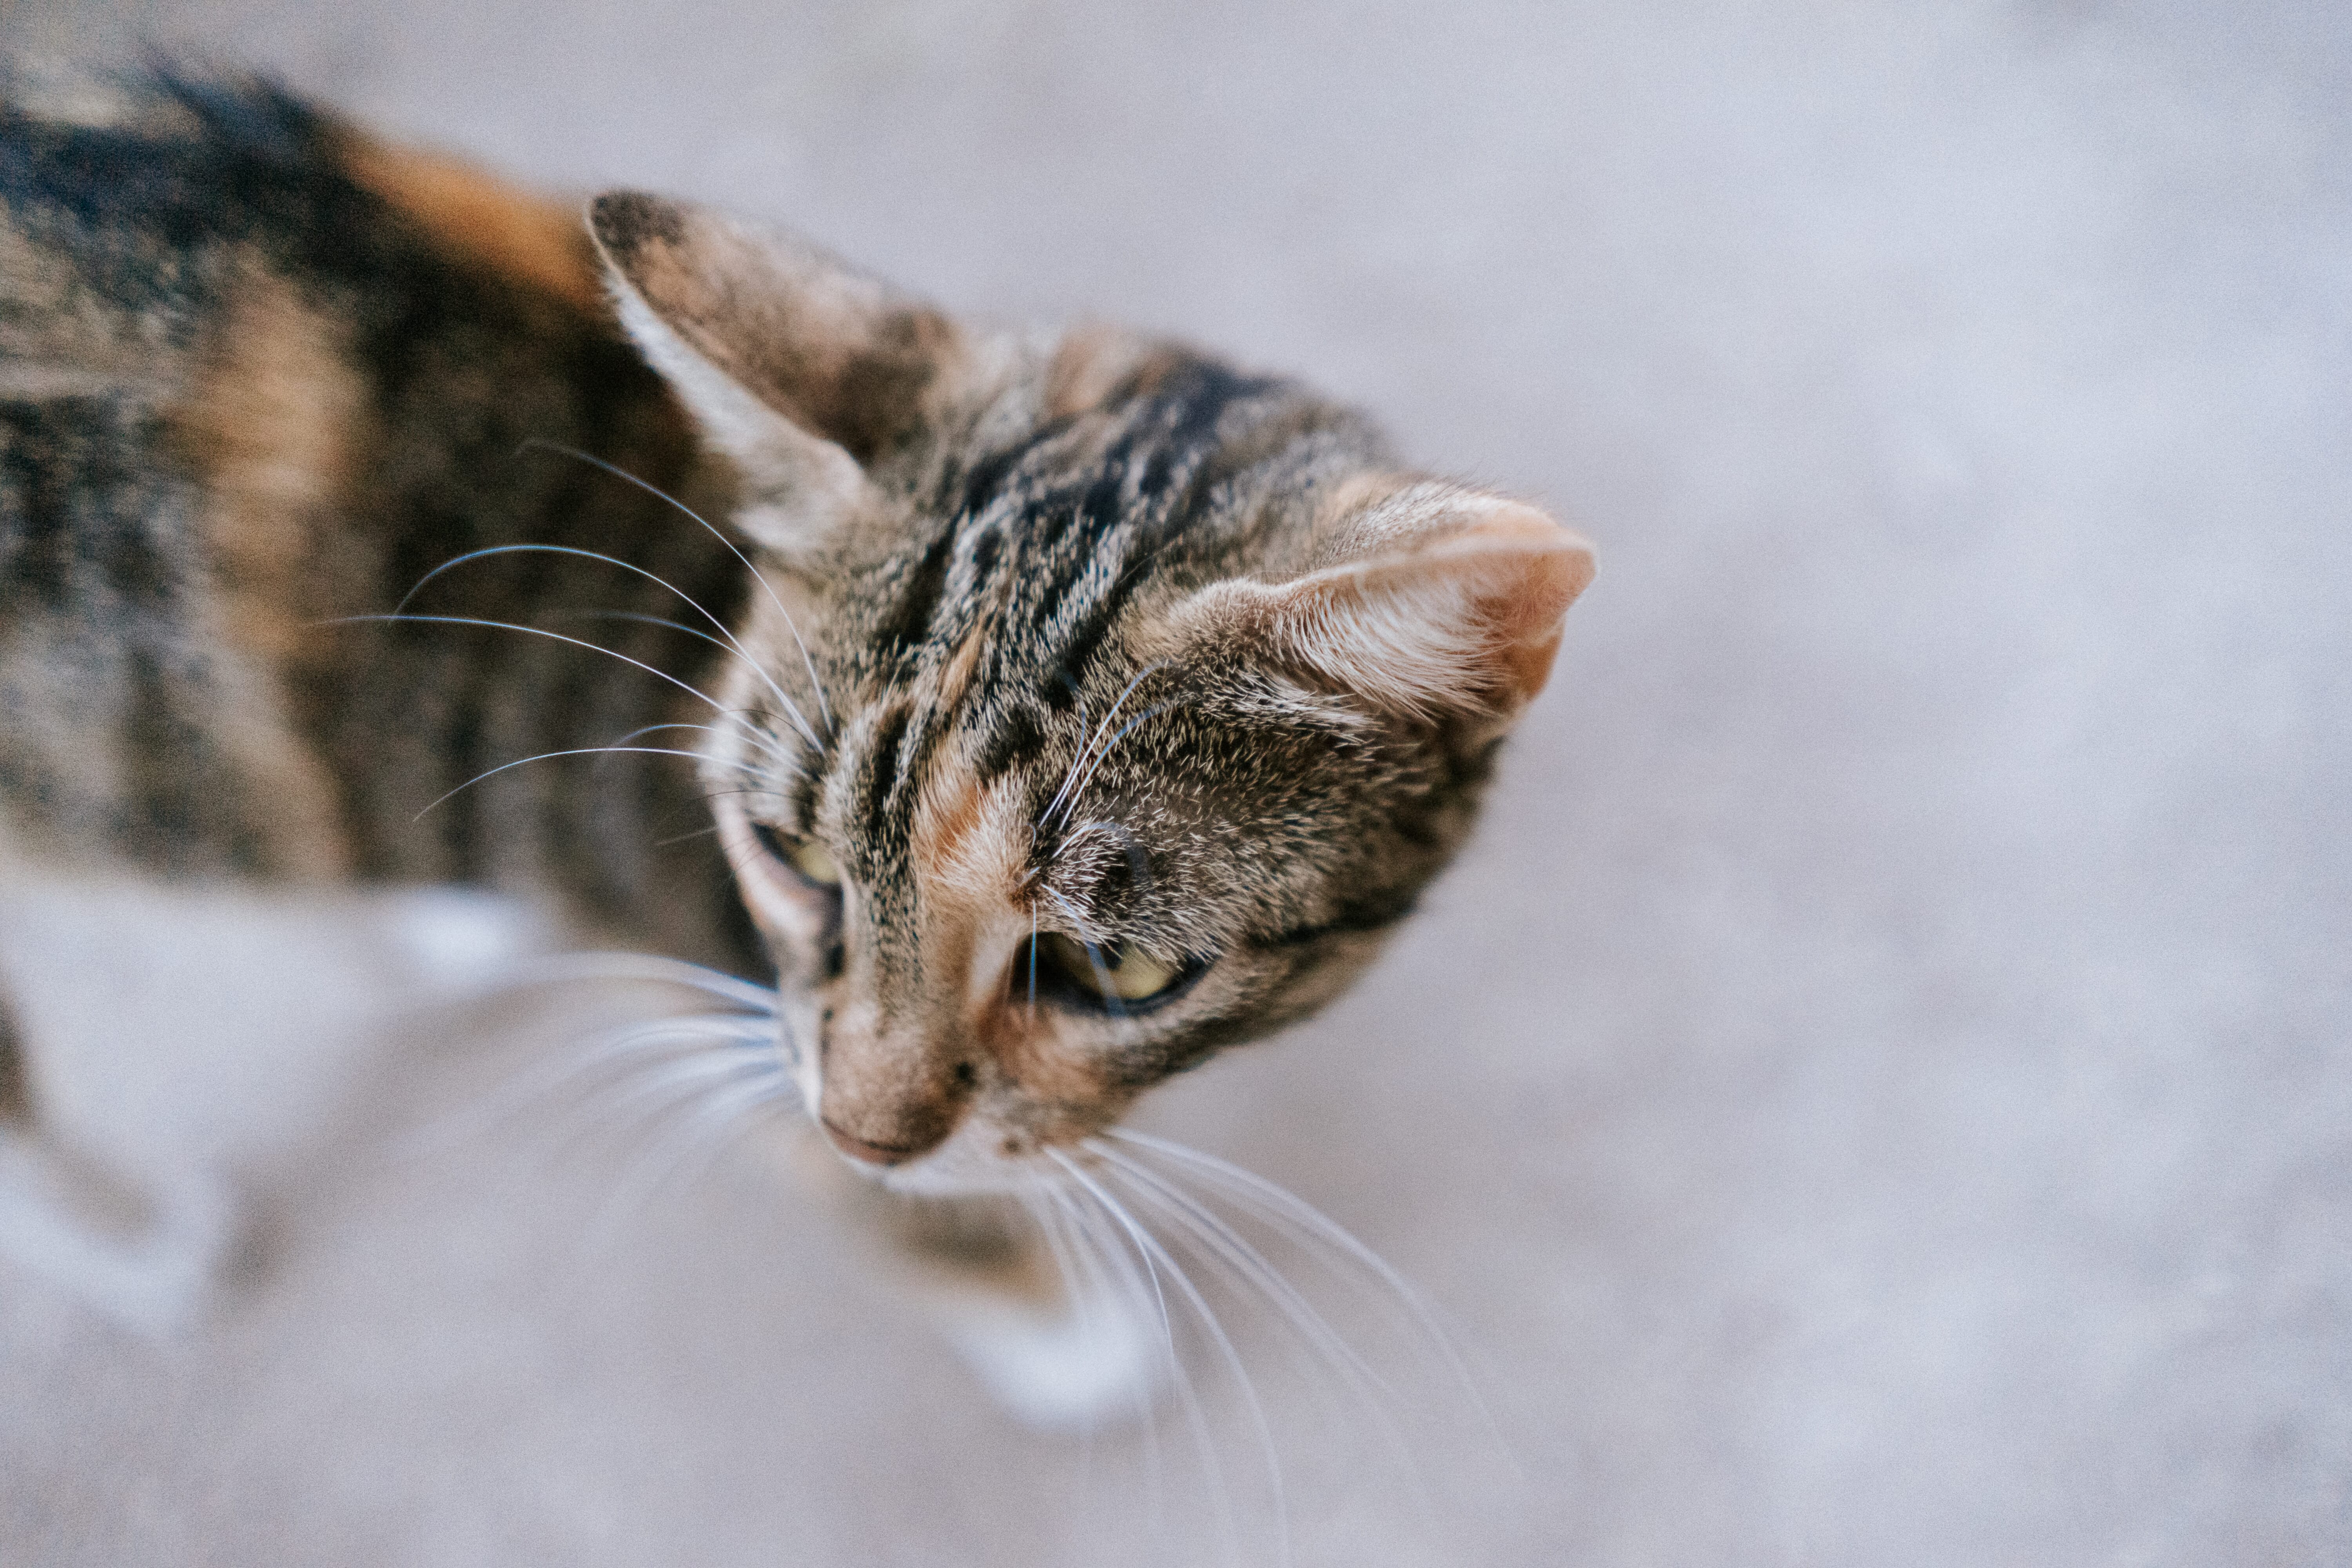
[1099, 706]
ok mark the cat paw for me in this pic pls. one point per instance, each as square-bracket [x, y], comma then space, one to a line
[149, 1262]
[1059, 1350]
[1083, 1361]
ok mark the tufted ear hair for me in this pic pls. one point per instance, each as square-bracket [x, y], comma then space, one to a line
[800, 368]
[1426, 599]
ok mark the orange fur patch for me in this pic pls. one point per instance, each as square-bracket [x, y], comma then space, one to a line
[525, 236]
[955, 681]
[274, 425]
[945, 819]
[968, 869]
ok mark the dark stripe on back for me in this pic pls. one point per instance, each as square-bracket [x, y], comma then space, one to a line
[987, 477]
[78, 481]
[1131, 493]
[1013, 734]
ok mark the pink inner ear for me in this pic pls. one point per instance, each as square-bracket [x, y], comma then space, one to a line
[1470, 622]
[1548, 568]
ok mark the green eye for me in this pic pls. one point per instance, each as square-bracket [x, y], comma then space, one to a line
[809, 859]
[1113, 970]
[806, 856]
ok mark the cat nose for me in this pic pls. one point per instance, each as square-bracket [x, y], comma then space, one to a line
[886, 1096]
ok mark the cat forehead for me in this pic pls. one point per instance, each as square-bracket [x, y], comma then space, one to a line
[1018, 596]
[1137, 469]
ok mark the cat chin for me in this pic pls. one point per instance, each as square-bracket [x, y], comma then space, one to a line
[956, 1172]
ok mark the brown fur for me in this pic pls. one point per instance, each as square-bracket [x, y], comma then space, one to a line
[1093, 363]
[272, 429]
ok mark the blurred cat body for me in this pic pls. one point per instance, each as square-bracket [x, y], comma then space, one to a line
[1069, 705]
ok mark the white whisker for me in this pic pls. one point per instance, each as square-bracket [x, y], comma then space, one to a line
[551, 756]
[730, 643]
[1084, 751]
[1290, 1212]
[656, 1084]
[1143, 1284]
[754, 1027]
[1251, 1263]
[526, 1088]
[567, 968]
[703, 1129]
[1163, 1264]
[642, 1096]
[694, 691]
[1251, 1268]
[1103, 755]
[1094, 1292]
[762, 739]
[824, 710]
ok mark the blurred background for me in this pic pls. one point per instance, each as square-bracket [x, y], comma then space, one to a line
[1875, 1091]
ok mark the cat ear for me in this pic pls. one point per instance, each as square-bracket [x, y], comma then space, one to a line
[798, 367]
[1425, 598]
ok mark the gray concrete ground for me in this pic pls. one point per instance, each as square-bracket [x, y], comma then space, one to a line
[1874, 1094]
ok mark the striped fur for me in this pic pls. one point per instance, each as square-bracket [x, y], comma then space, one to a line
[1076, 634]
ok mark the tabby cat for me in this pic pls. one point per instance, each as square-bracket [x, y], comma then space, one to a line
[1070, 705]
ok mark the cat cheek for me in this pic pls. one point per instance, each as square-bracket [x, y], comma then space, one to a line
[1052, 1090]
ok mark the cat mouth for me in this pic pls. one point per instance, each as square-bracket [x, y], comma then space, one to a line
[868, 1153]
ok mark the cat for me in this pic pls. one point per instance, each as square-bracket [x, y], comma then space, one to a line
[1069, 706]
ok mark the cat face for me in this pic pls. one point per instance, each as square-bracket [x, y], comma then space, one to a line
[1098, 706]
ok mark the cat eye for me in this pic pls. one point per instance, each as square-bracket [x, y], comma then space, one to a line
[806, 856]
[1110, 975]
[801, 897]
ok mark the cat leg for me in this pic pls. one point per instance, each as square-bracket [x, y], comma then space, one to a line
[146, 1262]
[16, 1093]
